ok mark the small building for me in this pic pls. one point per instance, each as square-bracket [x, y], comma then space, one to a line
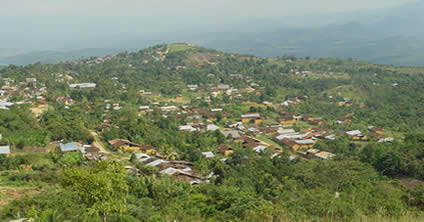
[225, 149]
[235, 134]
[5, 150]
[212, 127]
[181, 175]
[192, 87]
[217, 110]
[324, 155]
[223, 86]
[251, 118]
[187, 128]
[148, 149]
[376, 130]
[143, 109]
[169, 108]
[69, 147]
[345, 119]
[311, 152]
[260, 148]
[286, 120]
[385, 140]
[297, 144]
[356, 135]
[82, 85]
[208, 155]
[125, 145]
[179, 97]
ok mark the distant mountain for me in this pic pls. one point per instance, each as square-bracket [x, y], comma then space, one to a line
[387, 36]
[49, 57]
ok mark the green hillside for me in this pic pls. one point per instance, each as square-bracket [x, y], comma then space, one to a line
[183, 133]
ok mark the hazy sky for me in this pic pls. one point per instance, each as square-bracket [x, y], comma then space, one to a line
[39, 24]
[241, 9]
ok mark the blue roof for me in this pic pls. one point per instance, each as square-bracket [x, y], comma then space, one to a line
[73, 146]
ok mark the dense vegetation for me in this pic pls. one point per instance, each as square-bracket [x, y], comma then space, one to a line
[362, 182]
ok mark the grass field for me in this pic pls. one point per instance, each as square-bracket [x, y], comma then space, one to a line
[179, 47]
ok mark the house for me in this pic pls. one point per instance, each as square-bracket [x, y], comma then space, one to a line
[208, 155]
[286, 131]
[5, 150]
[31, 80]
[259, 148]
[234, 124]
[385, 140]
[116, 106]
[148, 149]
[270, 131]
[3, 92]
[376, 130]
[356, 135]
[212, 127]
[311, 153]
[125, 145]
[317, 122]
[286, 120]
[93, 153]
[169, 108]
[192, 87]
[305, 143]
[92, 149]
[217, 110]
[82, 85]
[294, 135]
[345, 119]
[297, 144]
[330, 137]
[187, 128]
[234, 133]
[223, 87]
[287, 103]
[225, 149]
[248, 142]
[143, 109]
[179, 97]
[181, 175]
[69, 147]
[324, 155]
[142, 157]
[251, 118]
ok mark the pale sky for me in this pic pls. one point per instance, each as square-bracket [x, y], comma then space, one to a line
[215, 8]
[40, 24]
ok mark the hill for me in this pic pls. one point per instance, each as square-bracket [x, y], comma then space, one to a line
[177, 132]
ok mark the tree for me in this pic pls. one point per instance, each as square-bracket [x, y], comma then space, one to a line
[102, 186]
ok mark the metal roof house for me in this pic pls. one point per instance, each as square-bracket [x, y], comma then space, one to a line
[208, 155]
[4, 150]
[69, 147]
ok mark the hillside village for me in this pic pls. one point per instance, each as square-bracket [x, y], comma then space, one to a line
[185, 113]
[245, 130]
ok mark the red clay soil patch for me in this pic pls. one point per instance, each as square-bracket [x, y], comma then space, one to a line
[201, 58]
[411, 183]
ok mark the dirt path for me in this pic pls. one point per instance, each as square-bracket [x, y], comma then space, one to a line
[97, 142]
[39, 110]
